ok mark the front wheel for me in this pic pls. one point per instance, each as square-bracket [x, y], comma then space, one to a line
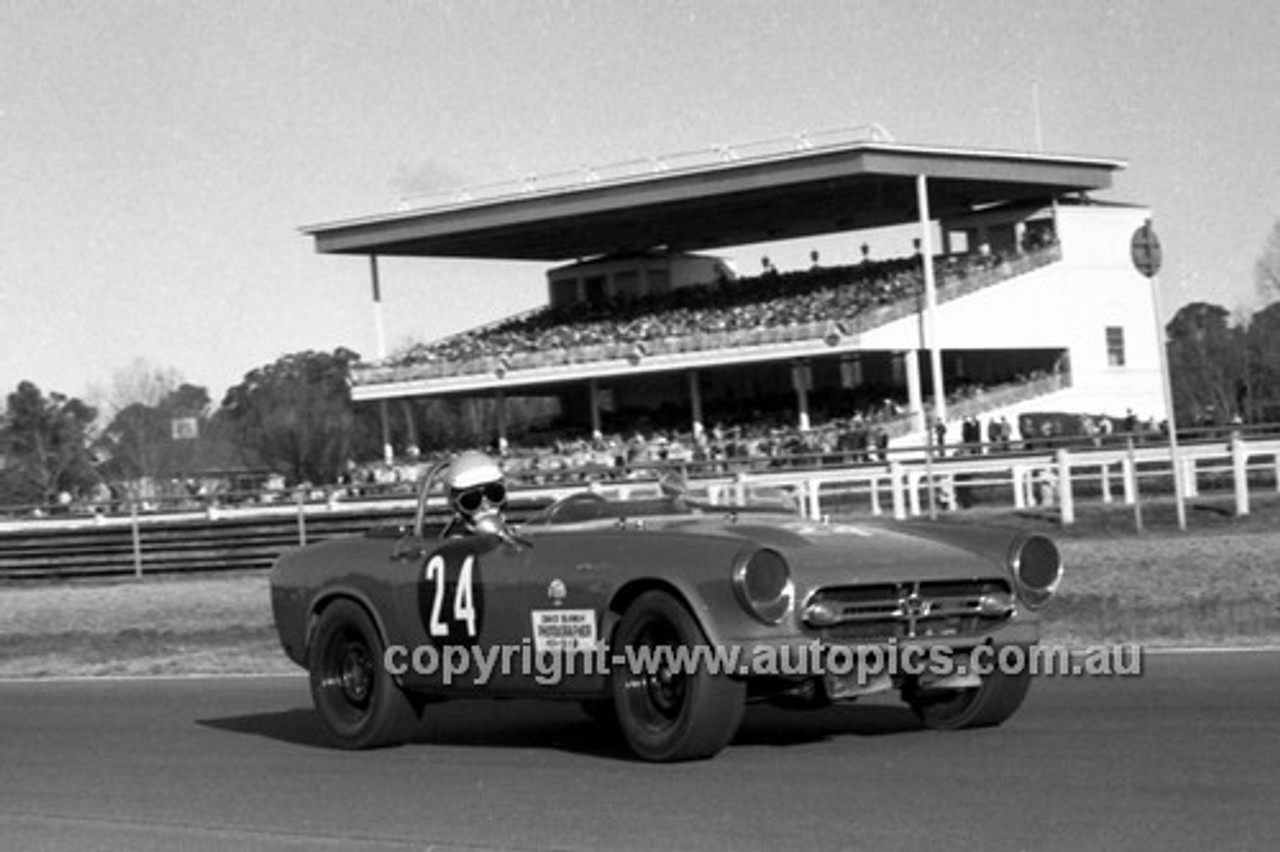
[600, 710]
[995, 700]
[667, 708]
[359, 703]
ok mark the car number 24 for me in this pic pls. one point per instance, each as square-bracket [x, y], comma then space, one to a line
[450, 599]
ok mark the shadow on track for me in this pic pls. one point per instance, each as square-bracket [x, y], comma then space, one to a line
[562, 726]
[300, 726]
[765, 725]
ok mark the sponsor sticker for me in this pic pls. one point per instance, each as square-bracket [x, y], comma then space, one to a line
[564, 630]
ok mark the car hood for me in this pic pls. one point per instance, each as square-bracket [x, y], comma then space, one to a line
[823, 554]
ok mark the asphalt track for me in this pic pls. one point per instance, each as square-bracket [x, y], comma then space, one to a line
[1184, 757]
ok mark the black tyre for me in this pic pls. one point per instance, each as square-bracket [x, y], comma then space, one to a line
[600, 710]
[665, 714]
[998, 698]
[359, 703]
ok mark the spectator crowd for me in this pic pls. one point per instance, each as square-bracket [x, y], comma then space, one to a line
[770, 300]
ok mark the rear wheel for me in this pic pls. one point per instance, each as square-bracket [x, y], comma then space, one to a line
[668, 712]
[998, 698]
[359, 703]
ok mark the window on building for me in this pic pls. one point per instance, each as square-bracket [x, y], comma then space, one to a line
[1115, 345]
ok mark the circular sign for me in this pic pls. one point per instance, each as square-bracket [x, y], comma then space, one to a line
[1145, 250]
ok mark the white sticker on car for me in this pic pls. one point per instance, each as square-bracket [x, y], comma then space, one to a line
[564, 630]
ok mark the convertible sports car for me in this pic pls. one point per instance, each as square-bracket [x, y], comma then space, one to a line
[663, 617]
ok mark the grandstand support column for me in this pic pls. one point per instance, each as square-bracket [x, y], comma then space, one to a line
[915, 398]
[930, 298]
[384, 413]
[380, 350]
[593, 390]
[695, 407]
[411, 425]
[802, 381]
[500, 411]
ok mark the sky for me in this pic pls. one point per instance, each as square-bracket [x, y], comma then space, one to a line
[158, 158]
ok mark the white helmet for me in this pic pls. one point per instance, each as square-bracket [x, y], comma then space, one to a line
[475, 484]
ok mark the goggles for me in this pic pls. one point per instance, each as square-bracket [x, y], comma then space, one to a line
[470, 500]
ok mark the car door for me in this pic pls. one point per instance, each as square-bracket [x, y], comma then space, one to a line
[570, 578]
[488, 616]
[456, 613]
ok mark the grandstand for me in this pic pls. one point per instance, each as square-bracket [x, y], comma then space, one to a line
[1029, 303]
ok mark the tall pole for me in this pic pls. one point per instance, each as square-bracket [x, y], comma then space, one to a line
[930, 298]
[380, 350]
[1147, 256]
[929, 331]
[1179, 487]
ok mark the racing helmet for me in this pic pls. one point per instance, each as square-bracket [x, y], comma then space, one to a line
[475, 485]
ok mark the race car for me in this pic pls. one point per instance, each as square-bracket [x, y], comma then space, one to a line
[663, 615]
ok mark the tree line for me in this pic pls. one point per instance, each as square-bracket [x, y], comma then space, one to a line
[1222, 367]
[293, 417]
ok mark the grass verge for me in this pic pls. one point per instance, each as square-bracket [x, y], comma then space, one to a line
[156, 625]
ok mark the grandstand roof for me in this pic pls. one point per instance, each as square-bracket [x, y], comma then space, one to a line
[733, 200]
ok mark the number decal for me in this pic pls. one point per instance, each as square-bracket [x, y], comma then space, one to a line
[463, 622]
[464, 608]
[435, 575]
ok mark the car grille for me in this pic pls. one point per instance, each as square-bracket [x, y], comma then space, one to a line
[884, 611]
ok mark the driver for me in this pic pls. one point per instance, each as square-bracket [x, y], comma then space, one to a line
[477, 493]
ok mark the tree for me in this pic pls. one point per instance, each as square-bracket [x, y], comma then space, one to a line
[1261, 390]
[1206, 364]
[160, 439]
[296, 414]
[140, 381]
[1266, 271]
[1262, 381]
[46, 446]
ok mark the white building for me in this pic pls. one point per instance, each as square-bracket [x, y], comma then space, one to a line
[1064, 323]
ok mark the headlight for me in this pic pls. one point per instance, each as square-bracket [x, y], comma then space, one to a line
[762, 582]
[1037, 569]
